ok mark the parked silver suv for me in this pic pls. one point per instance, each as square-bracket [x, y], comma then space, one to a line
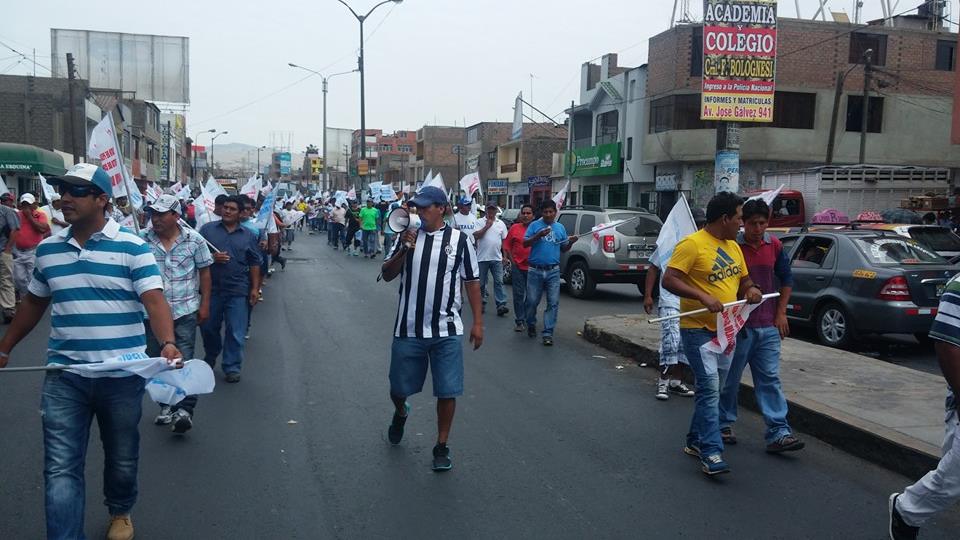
[623, 252]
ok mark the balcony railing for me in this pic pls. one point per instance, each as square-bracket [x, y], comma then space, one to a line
[508, 168]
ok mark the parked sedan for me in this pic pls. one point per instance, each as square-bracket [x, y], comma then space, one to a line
[853, 282]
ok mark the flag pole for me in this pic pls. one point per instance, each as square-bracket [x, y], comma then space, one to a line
[54, 367]
[704, 310]
[184, 224]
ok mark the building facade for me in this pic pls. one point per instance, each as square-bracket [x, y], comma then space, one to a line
[529, 165]
[387, 153]
[481, 157]
[908, 108]
[436, 151]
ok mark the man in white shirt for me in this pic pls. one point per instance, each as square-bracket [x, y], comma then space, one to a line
[489, 240]
[465, 220]
[54, 215]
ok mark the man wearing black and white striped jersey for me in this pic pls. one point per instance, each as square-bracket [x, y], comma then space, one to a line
[432, 264]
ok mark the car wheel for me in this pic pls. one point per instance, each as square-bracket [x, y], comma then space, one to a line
[579, 282]
[834, 326]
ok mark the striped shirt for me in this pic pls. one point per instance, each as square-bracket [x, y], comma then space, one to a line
[95, 291]
[430, 284]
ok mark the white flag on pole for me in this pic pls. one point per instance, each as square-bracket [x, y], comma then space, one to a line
[252, 187]
[561, 197]
[175, 188]
[267, 188]
[352, 194]
[769, 196]
[678, 225]
[517, 117]
[718, 352]
[184, 193]
[48, 191]
[470, 183]
[103, 146]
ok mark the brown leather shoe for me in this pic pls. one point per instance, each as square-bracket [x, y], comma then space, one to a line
[121, 528]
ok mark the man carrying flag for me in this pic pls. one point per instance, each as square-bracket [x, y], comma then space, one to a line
[708, 269]
[116, 277]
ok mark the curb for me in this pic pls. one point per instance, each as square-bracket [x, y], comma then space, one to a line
[872, 442]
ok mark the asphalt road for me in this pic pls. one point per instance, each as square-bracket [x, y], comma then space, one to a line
[562, 442]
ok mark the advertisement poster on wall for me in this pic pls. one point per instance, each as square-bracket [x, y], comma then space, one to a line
[739, 60]
[727, 172]
[285, 161]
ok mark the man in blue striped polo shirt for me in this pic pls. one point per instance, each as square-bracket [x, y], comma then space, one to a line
[99, 278]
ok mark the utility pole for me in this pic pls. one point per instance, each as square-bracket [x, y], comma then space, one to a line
[326, 177]
[726, 171]
[71, 76]
[866, 105]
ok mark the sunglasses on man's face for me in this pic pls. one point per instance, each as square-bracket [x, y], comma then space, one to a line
[78, 191]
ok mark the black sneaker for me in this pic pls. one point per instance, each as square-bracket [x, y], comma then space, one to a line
[520, 327]
[787, 443]
[899, 530]
[502, 310]
[395, 431]
[532, 331]
[548, 341]
[181, 422]
[726, 434]
[232, 377]
[441, 458]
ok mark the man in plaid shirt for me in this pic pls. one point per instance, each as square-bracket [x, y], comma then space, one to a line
[184, 261]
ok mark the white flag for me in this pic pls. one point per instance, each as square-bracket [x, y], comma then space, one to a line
[103, 146]
[678, 225]
[718, 352]
[212, 187]
[267, 188]
[561, 197]
[48, 191]
[769, 196]
[470, 183]
[435, 181]
[3, 186]
[184, 193]
[597, 229]
[352, 194]
[252, 187]
[517, 117]
[175, 188]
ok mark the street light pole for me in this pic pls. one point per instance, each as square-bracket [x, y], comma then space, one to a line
[212, 162]
[194, 171]
[326, 178]
[838, 93]
[363, 119]
[258, 159]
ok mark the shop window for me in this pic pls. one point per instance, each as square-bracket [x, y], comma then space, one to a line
[946, 55]
[492, 161]
[617, 195]
[861, 41]
[855, 114]
[591, 195]
[791, 110]
[679, 111]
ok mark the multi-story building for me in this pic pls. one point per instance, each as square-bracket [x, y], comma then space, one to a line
[481, 156]
[386, 153]
[146, 141]
[908, 108]
[605, 163]
[436, 150]
[528, 164]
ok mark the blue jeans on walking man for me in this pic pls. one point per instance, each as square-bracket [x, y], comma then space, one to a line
[369, 242]
[185, 338]
[232, 311]
[496, 268]
[68, 406]
[541, 281]
[518, 280]
[759, 347]
[705, 424]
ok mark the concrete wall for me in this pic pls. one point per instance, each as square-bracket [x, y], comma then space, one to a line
[33, 110]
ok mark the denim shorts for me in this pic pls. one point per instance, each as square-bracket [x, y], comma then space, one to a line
[409, 360]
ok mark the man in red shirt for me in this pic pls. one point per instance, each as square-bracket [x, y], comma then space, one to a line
[514, 252]
[33, 229]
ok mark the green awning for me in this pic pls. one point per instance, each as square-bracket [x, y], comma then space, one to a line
[24, 158]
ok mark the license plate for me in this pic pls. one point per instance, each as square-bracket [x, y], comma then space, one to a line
[633, 254]
[940, 289]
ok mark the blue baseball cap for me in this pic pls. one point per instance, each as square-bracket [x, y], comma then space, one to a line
[465, 201]
[429, 195]
[86, 174]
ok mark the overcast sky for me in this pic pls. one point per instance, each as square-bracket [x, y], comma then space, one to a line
[427, 61]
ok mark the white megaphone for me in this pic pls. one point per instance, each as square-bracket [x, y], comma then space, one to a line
[400, 220]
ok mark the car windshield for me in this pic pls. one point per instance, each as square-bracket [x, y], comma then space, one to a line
[936, 238]
[646, 225]
[886, 250]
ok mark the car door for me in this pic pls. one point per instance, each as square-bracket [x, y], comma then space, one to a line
[813, 263]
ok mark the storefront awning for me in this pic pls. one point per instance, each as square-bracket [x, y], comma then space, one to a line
[27, 159]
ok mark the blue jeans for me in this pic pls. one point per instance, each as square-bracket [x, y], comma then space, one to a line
[760, 347]
[369, 242]
[705, 424]
[231, 310]
[518, 280]
[185, 338]
[67, 408]
[538, 283]
[495, 267]
[409, 358]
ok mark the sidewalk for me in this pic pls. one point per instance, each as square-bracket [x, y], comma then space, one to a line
[887, 414]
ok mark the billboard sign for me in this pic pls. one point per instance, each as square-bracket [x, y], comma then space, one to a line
[594, 160]
[497, 186]
[165, 152]
[739, 60]
[157, 68]
[285, 161]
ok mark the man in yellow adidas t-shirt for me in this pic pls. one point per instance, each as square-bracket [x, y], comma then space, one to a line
[708, 269]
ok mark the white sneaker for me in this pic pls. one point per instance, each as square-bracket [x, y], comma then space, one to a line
[662, 394]
[680, 389]
[165, 416]
[181, 421]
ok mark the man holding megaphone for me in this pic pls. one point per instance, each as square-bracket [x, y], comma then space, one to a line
[432, 260]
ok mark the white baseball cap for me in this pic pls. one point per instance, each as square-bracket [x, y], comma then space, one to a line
[28, 198]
